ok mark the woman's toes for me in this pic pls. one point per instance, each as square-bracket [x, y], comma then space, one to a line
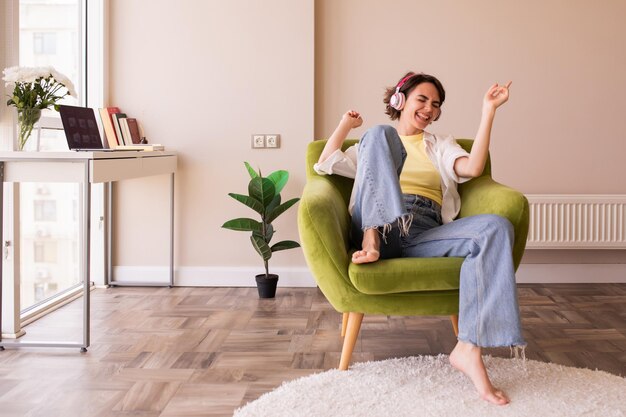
[362, 257]
[496, 397]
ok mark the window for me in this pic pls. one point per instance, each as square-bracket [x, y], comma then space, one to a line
[50, 34]
[54, 33]
[48, 237]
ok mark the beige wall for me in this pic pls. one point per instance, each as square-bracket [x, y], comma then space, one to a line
[203, 76]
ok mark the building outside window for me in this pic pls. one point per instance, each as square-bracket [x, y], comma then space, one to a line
[45, 251]
[45, 210]
[45, 43]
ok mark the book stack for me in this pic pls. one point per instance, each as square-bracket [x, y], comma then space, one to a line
[123, 132]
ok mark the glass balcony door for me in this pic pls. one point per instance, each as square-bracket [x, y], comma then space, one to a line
[50, 34]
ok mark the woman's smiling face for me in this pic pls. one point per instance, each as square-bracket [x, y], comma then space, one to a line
[421, 109]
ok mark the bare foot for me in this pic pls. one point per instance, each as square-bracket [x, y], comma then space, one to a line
[364, 256]
[467, 358]
[371, 248]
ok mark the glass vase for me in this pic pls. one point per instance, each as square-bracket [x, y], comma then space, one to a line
[26, 120]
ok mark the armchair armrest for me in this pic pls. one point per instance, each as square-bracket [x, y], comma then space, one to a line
[483, 195]
[324, 227]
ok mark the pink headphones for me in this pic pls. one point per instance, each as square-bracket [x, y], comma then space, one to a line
[398, 99]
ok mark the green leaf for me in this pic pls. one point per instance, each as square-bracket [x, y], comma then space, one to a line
[284, 245]
[261, 189]
[280, 210]
[259, 234]
[269, 233]
[251, 171]
[253, 203]
[272, 205]
[261, 247]
[243, 225]
[279, 178]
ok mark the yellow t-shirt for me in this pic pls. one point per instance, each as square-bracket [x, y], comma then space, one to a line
[419, 175]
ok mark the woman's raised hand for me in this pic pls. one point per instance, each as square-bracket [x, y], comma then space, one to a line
[497, 95]
[352, 118]
[349, 120]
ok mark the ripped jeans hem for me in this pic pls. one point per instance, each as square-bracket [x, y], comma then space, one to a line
[404, 224]
[517, 351]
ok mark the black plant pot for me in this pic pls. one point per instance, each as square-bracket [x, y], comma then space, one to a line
[266, 286]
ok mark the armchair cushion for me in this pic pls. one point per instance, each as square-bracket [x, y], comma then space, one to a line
[400, 275]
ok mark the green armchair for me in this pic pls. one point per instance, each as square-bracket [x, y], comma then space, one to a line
[404, 286]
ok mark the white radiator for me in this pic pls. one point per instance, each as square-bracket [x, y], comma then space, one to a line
[577, 222]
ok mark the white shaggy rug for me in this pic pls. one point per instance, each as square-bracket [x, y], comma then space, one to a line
[429, 386]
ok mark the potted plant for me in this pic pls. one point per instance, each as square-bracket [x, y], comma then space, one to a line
[264, 198]
[34, 89]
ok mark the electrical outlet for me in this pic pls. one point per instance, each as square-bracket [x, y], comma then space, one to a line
[272, 141]
[258, 141]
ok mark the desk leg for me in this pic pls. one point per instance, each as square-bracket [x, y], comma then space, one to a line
[171, 230]
[108, 245]
[86, 256]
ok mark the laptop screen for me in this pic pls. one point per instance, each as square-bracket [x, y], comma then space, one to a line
[81, 128]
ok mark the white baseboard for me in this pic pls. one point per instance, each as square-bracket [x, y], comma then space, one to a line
[301, 277]
[190, 276]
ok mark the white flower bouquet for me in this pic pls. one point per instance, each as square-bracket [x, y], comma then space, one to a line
[35, 89]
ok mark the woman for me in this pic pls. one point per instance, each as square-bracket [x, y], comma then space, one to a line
[403, 205]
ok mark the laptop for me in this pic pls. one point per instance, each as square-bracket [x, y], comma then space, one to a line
[81, 129]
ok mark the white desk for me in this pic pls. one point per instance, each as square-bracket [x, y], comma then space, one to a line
[85, 168]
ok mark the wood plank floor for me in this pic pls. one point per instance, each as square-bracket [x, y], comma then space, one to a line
[206, 351]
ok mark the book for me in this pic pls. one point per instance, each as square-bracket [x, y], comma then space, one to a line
[116, 125]
[125, 131]
[133, 127]
[106, 116]
[150, 147]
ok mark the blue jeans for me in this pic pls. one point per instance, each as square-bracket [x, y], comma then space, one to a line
[412, 227]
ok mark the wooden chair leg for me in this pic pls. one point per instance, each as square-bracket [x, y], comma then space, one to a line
[352, 333]
[344, 324]
[455, 324]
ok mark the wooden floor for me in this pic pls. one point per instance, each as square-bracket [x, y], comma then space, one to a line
[206, 351]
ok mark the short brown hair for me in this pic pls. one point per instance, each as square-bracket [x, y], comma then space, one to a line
[413, 81]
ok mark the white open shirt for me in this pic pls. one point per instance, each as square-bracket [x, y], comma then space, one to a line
[443, 151]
